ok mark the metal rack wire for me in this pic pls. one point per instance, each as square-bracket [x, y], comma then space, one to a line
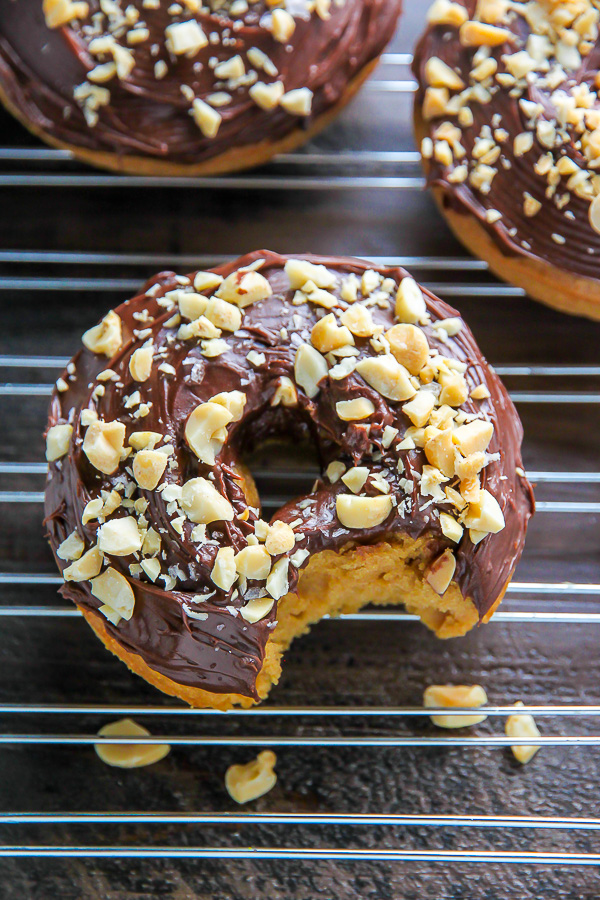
[524, 604]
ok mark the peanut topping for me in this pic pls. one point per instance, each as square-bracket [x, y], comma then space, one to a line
[280, 538]
[409, 346]
[351, 410]
[119, 537]
[205, 430]
[461, 696]
[103, 445]
[224, 573]
[115, 592]
[257, 609]
[387, 376]
[203, 504]
[58, 441]
[84, 568]
[140, 364]
[106, 337]
[309, 368]
[441, 571]
[71, 548]
[148, 468]
[359, 321]
[61, 12]
[362, 512]
[327, 335]
[285, 393]
[244, 288]
[410, 304]
[248, 782]
[253, 562]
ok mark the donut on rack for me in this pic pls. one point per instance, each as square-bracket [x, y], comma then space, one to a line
[151, 87]
[508, 118]
[155, 521]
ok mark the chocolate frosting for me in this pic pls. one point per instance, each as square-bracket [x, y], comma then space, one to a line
[514, 232]
[225, 653]
[40, 67]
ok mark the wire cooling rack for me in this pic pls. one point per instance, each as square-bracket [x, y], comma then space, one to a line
[363, 776]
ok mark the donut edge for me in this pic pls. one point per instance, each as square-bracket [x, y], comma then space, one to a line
[233, 160]
[562, 290]
[296, 618]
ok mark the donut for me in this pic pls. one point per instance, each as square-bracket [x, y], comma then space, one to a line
[149, 87]
[153, 515]
[507, 116]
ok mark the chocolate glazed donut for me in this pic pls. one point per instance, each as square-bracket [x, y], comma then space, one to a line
[155, 521]
[159, 88]
[508, 117]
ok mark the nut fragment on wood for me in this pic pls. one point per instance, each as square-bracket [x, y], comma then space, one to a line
[252, 780]
[522, 726]
[129, 756]
[459, 696]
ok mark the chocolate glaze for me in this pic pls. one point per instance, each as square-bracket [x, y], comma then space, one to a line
[225, 653]
[580, 253]
[39, 68]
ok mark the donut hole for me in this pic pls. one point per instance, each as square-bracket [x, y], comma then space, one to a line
[281, 470]
[278, 455]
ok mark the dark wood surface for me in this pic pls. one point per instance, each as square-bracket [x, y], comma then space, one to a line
[54, 660]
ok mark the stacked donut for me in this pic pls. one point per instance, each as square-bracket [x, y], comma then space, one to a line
[185, 87]
[155, 521]
[508, 117]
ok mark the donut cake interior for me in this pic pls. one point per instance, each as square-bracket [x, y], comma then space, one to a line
[199, 88]
[154, 517]
[508, 119]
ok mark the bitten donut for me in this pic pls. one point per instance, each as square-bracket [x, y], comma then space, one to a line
[508, 118]
[155, 521]
[185, 88]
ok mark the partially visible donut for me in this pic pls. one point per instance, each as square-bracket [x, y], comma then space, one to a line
[155, 522]
[508, 119]
[186, 88]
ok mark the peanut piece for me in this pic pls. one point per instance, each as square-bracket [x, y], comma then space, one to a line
[129, 756]
[441, 571]
[114, 590]
[457, 696]
[203, 504]
[362, 512]
[409, 346]
[103, 445]
[257, 609]
[140, 364]
[253, 562]
[148, 468]
[522, 727]
[309, 368]
[280, 538]
[248, 782]
[105, 337]
[387, 376]
[120, 537]
[84, 568]
[58, 441]
[351, 410]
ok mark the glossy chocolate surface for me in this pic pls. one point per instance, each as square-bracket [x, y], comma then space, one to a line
[575, 245]
[40, 67]
[224, 653]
